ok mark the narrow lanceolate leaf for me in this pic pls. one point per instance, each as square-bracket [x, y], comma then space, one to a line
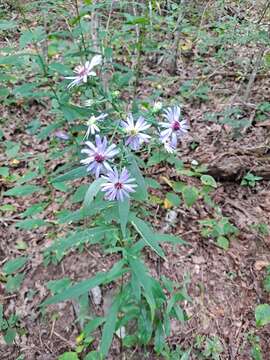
[93, 236]
[170, 239]
[123, 207]
[147, 234]
[109, 327]
[71, 175]
[29, 224]
[141, 276]
[13, 265]
[84, 286]
[186, 354]
[92, 192]
[23, 190]
[141, 192]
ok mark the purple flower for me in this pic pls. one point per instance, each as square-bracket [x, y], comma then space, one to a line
[174, 129]
[118, 186]
[92, 124]
[169, 147]
[61, 135]
[136, 137]
[99, 155]
[83, 71]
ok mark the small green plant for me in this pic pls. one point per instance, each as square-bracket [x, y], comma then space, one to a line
[209, 347]
[213, 348]
[250, 180]
[220, 230]
[8, 326]
[261, 228]
[256, 351]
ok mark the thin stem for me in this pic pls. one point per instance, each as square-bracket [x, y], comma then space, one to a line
[81, 30]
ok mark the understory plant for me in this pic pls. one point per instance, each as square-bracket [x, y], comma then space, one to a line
[115, 145]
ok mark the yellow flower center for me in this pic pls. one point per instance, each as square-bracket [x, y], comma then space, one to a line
[133, 132]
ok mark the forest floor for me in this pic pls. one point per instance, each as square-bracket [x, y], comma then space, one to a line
[225, 286]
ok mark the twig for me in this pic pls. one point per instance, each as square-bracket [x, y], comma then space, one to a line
[254, 73]
[8, 297]
[267, 5]
[63, 339]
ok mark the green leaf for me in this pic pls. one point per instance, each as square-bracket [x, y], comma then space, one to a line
[23, 190]
[92, 192]
[47, 130]
[92, 325]
[209, 181]
[12, 148]
[30, 224]
[159, 337]
[141, 190]
[141, 276]
[262, 314]
[170, 239]
[13, 60]
[123, 207]
[32, 36]
[223, 242]
[190, 195]
[266, 282]
[4, 171]
[57, 286]
[84, 286]
[157, 158]
[73, 112]
[14, 265]
[173, 199]
[79, 194]
[10, 335]
[256, 352]
[7, 24]
[71, 175]
[94, 355]
[27, 177]
[60, 186]
[2, 321]
[152, 183]
[34, 209]
[109, 327]
[69, 356]
[7, 207]
[14, 282]
[186, 354]
[147, 235]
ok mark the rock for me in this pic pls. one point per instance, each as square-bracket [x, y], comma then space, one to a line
[198, 260]
[96, 295]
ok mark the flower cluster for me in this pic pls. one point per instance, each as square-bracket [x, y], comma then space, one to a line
[100, 154]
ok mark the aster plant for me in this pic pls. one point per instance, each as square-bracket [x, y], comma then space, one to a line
[111, 157]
